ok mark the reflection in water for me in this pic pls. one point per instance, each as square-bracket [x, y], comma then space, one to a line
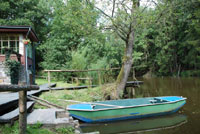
[187, 87]
[135, 126]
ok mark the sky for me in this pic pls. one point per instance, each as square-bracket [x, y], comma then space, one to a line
[106, 5]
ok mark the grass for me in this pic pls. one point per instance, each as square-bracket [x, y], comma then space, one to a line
[58, 83]
[86, 95]
[34, 129]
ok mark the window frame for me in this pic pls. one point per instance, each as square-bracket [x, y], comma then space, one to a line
[9, 40]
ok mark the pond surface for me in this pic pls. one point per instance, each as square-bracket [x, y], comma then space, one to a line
[185, 121]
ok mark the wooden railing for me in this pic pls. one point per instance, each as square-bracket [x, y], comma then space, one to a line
[89, 70]
[22, 89]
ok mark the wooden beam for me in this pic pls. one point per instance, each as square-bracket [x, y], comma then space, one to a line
[49, 103]
[16, 88]
[41, 103]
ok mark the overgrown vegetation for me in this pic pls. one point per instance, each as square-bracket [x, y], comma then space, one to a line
[84, 95]
[99, 93]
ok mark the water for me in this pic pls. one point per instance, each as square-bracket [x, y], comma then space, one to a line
[185, 121]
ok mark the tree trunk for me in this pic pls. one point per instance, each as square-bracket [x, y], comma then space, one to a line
[126, 66]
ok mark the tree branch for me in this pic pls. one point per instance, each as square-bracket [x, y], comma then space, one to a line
[113, 10]
[121, 36]
[105, 14]
[155, 3]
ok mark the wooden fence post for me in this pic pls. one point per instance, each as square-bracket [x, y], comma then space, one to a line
[99, 74]
[49, 77]
[22, 112]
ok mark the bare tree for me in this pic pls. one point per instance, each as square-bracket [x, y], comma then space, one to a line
[123, 16]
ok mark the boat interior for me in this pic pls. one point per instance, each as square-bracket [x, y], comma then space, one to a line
[124, 103]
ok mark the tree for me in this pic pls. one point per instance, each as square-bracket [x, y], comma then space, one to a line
[73, 26]
[174, 37]
[123, 20]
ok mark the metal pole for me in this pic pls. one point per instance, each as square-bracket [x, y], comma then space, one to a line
[33, 54]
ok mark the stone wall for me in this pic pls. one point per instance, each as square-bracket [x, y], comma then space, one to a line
[4, 78]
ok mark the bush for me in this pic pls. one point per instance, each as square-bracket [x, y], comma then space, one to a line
[191, 73]
[13, 70]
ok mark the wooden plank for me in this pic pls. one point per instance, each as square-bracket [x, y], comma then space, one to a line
[8, 99]
[82, 70]
[82, 78]
[13, 115]
[133, 83]
[16, 88]
[72, 88]
[41, 103]
[45, 101]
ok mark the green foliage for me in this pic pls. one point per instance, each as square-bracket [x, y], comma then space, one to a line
[190, 73]
[13, 70]
[65, 130]
[73, 36]
[33, 129]
[75, 41]
[73, 25]
[168, 42]
[99, 64]
[35, 13]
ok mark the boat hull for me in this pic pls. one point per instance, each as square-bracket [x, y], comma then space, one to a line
[127, 112]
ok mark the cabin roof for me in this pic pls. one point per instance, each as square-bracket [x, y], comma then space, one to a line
[27, 30]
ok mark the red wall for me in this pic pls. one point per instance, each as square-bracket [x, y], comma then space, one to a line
[14, 57]
[3, 57]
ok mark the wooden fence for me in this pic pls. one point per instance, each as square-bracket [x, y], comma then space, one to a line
[89, 70]
[22, 89]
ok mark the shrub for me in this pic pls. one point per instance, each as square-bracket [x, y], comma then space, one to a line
[13, 70]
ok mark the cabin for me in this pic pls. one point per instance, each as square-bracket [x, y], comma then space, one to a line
[21, 40]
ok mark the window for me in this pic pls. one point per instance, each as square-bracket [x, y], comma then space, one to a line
[10, 42]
